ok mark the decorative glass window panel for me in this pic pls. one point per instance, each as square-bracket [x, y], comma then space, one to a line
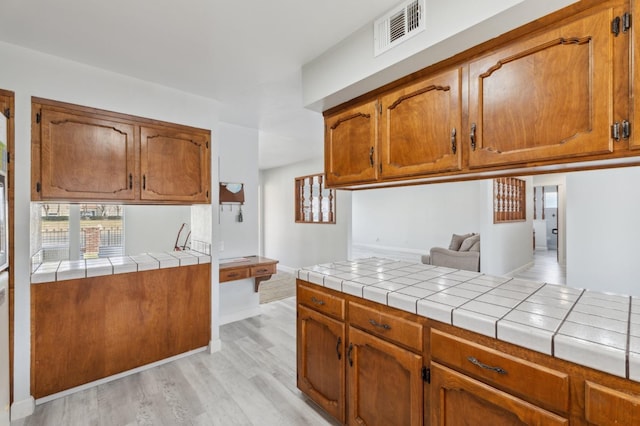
[509, 200]
[314, 202]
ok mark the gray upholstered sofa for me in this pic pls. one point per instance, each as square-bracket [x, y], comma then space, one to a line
[463, 253]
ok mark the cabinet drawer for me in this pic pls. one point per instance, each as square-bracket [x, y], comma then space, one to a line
[257, 271]
[234, 274]
[544, 386]
[321, 301]
[606, 406]
[387, 326]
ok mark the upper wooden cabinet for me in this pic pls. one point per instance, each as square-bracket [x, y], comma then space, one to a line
[350, 138]
[557, 91]
[420, 126]
[546, 97]
[85, 154]
[174, 165]
[84, 157]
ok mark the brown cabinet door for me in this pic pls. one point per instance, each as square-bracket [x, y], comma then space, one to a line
[634, 142]
[321, 360]
[85, 157]
[385, 384]
[457, 399]
[174, 165]
[546, 98]
[607, 406]
[420, 127]
[349, 145]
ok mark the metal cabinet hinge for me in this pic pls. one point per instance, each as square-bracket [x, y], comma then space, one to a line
[8, 157]
[620, 130]
[621, 24]
[38, 187]
[7, 113]
[207, 143]
[38, 117]
[426, 374]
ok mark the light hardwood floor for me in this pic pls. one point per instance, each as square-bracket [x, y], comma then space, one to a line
[545, 268]
[251, 381]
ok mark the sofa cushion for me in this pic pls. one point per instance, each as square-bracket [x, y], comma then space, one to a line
[471, 243]
[456, 241]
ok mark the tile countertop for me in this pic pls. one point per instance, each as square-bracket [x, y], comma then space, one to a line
[73, 269]
[594, 329]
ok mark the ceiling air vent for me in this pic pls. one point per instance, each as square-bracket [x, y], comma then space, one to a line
[398, 25]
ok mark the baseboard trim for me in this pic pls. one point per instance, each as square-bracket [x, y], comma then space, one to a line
[520, 269]
[116, 376]
[287, 269]
[23, 408]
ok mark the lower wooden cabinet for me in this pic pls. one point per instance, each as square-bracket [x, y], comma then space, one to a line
[321, 360]
[87, 329]
[607, 406]
[384, 382]
[457, 399]
[369, 364]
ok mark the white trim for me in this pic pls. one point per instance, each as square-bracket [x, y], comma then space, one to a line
[215, 346]
[520, 269]
[240, 315]
[22, 409]
[116, 376]
[287, 269]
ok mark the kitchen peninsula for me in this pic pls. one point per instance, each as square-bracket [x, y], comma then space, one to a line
[419, 344]
[95, 318]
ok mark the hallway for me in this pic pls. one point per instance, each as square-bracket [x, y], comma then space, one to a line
[545, 268]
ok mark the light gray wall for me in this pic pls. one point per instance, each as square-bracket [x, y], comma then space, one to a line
[415, 217]
[29, 73]
[603, 230]
[505, 247]
[239, 164]
[301, 244]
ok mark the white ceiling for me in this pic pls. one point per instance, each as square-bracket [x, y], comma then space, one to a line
[247, 55]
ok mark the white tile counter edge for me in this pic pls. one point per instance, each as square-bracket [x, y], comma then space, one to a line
[536, 307]
[67, 270]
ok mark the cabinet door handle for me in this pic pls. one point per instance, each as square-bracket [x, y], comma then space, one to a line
[338, 346]
[144, 181]
[454, 146]
[377, 324]
[130, 181]
[472, 136]
[475, 361]
[349, 354]
[233, 275]
[262, 271]
[371, 156]
[317, 301]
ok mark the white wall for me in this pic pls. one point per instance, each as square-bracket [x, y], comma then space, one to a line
[505, 247]
[239, 163]
[415, 218]
[412, 219]
[301, 244]
[29, 73]
[350, 68]
[603, 230]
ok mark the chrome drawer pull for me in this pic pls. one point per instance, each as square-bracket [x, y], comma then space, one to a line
[475, 361]
[376, 324]
[317, 301]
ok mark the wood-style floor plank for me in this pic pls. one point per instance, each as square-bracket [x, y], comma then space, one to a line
[251, 381]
